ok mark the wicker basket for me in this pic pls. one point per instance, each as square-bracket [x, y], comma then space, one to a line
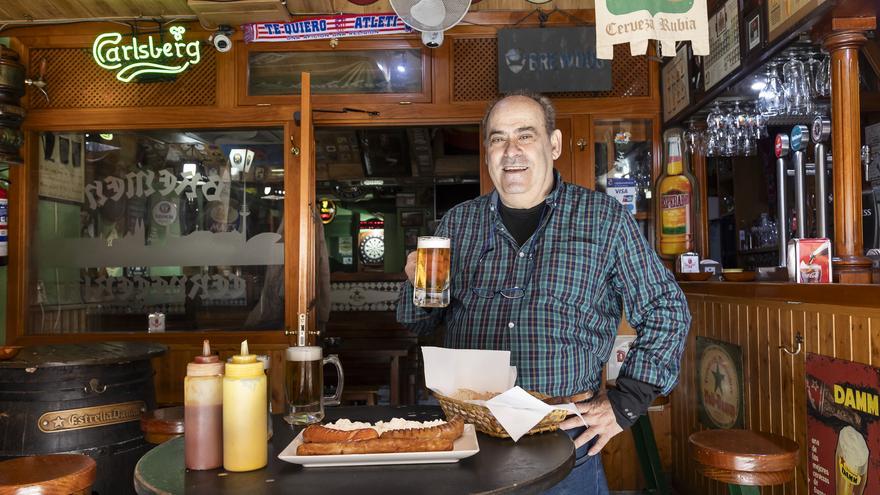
[485, 422]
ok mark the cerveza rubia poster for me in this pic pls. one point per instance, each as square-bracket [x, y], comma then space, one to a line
[843, 427]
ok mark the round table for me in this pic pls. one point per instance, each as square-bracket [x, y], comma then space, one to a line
[531, 465]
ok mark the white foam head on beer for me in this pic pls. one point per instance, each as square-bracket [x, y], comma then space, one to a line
[433, 242]
[851, 444]
[308, 353]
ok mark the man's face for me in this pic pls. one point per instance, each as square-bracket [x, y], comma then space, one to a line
[519, 153]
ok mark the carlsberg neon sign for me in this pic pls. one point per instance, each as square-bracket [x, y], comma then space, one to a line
[134, 58]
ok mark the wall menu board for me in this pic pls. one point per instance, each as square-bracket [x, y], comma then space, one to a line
[724, 50]
[782, 14]
[676, 87]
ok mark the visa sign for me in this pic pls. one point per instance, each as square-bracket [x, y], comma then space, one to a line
[133, 58]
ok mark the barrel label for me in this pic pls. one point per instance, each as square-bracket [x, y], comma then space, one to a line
[91, 417]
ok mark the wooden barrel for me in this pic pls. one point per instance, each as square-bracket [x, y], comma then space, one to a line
[80, 398]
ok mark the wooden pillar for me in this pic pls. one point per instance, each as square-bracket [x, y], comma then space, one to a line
[852, 267]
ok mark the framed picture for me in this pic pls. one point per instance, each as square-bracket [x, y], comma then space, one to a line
[412, 218]
[753, 32]
[405, 199]
[411, 238]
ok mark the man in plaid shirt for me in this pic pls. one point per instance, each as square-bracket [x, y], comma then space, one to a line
[545, 269]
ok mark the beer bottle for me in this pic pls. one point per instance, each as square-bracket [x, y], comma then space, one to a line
[675, 193]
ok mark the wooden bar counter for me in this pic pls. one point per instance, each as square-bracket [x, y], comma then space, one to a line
[836, 320]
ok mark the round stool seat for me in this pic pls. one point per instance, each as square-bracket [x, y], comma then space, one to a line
[161, 425]
[58, 474]
[744, 457]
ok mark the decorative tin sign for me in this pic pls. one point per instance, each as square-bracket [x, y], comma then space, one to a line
[637, 21]
[323, 27]
[724, 50]
[676, 87]
[843, 426]
[551, 60]
[91, 417]
[719, 383]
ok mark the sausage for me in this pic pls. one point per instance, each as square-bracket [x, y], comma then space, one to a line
[322, 434]
[450, 430]
[374, 446]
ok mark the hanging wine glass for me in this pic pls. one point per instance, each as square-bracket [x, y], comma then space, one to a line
[823, 76]
[797, 96]
[813, 65]
[772, 97]
[691, 138]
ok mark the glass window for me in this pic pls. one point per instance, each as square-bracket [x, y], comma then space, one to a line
[338, 72]
[625, 165]
[182, 223]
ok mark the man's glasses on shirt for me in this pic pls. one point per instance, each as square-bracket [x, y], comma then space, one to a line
[514, 292]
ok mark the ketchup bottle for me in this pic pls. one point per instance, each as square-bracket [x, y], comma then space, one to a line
[203, 411]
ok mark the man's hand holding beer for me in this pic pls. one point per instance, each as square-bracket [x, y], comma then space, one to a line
[410, 269]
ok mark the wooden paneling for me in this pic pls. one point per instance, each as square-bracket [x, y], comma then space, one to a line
[774, 395]
[89, 9]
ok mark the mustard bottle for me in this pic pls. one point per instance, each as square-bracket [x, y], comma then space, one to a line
[244, 413]
[203, 415]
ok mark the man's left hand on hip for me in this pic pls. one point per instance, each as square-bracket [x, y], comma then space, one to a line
[600, 420]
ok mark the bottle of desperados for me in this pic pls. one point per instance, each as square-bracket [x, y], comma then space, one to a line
[675, 193]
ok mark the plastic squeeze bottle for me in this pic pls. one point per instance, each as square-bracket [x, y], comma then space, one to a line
[244, 413]
[203, 411]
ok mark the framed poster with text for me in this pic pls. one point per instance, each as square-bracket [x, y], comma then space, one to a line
[676, 87]
[724, 49]
[783, 14]
[843, 427]
[720, 383]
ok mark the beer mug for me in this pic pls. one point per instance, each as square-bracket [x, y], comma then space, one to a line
[432, 273]
[851, 462]
[304, 384]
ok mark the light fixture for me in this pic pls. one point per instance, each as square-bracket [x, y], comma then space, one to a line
[189, 169]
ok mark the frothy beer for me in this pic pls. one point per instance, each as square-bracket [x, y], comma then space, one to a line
[303, 375]
[432, 273]
[851, 462]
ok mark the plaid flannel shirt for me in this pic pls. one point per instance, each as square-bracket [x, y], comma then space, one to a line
[591, 263]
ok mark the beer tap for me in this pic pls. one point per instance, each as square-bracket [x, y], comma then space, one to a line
[781, 149]
[820, 132]
[798, 141]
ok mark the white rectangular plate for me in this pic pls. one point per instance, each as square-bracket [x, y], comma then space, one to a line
[465, 446]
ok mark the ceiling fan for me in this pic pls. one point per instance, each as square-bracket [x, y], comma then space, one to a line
[431, 17]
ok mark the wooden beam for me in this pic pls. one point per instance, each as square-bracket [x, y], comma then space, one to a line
[851, 265]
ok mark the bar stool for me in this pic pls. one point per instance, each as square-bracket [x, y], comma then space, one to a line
[744, 459]
[161, 425]
[51, 474]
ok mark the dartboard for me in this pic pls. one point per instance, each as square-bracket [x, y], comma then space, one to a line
[372, 249]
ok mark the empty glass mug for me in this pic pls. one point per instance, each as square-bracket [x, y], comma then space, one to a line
[304, 384]
[431, 288]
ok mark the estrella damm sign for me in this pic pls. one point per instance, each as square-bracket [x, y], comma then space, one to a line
[620, 7]
[132, 58]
